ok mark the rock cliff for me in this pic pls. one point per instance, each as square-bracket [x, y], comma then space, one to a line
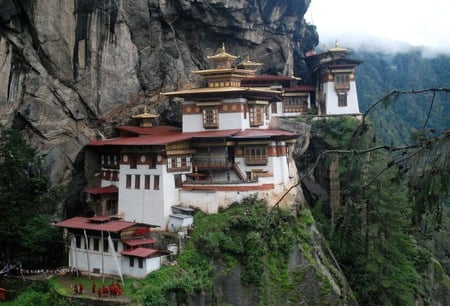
[70, 69]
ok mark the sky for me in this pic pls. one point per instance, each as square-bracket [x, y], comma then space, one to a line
[392, 22]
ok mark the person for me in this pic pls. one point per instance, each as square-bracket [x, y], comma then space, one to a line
[99, 292]
[94, 285]
[105, 290]
[112, 289]
[80, 288]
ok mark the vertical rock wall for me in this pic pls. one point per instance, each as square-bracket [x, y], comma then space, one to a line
[68, 68]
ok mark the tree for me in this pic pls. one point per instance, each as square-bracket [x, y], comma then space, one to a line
[388, 194]
[24, 230]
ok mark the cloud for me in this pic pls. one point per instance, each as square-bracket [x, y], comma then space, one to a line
[385, 25]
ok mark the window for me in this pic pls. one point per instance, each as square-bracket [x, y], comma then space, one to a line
[210, 117]
[151, 162]
[140, 263]
[156, 182]
[257, 113]
[78, 242]
[111, 206]
[342, 99]
[342, 81]
[131, 261]
[181, 163]
[133, 161]
[147, 181]
[137, 181]
[295, 104]
[116, 245]
[105, 245]
[256, 156]
[128, 181]
[96, 244]
[273, 107]
[178, 182]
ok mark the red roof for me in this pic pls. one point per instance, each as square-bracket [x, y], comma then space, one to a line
[300, 88]
[140, 252]
[102, 190]
[210, 134]
[154, 130]
[163, 135]
[139, 241]
[99, 219]
[86, 223]
[264, 133]
[143, 140]
[161, 138]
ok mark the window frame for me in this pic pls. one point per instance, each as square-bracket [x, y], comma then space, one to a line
[210, 117]
[137, 181]
[128, 181]
[256, 155]
[342, 99]
[156, 182]
[257, 114]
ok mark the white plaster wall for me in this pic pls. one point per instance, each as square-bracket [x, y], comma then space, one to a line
[193, 123]
[211, 201]
[141, 205]
[150, 265]
[332, 100]
[95, 261]
[228, 121]
[171, 195]
[206, 200]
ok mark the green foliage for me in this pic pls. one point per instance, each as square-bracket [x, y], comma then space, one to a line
[193, 273]
[246, 234]
[336, 132]
[379, 75]
[25, 230]
[371, 233]
[38, 294]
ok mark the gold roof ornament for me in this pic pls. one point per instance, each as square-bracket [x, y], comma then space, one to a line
[145, 118]
[337, 48]
[249, 64]
[223, 59]
[223, 54]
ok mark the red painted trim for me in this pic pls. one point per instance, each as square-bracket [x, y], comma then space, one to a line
[230, 188]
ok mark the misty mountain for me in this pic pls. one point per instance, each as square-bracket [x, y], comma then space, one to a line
[382, 73]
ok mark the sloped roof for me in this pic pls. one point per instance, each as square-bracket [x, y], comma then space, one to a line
[167, 135]
[140, 252]
[264, 133]
[300, 88]
[102, 190]
[86, 223]
[221, 90]
[154, 130]
[139, 241]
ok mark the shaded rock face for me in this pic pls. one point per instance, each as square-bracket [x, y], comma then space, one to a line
[67, 68]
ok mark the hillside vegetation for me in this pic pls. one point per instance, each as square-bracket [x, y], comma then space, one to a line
[388, 211]
[382, 74]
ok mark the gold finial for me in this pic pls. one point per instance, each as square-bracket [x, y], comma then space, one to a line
[223, 47]
[336, 44]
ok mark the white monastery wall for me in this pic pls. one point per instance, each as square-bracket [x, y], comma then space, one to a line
[332, 100]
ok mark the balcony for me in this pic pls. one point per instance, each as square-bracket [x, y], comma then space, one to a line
[211, 164]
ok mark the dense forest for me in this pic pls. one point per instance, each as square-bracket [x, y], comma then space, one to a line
[384, 74]
[393, 216]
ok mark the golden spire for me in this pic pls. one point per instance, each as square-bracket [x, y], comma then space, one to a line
[145, 118]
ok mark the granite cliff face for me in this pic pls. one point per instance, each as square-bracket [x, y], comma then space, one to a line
[70, 68]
